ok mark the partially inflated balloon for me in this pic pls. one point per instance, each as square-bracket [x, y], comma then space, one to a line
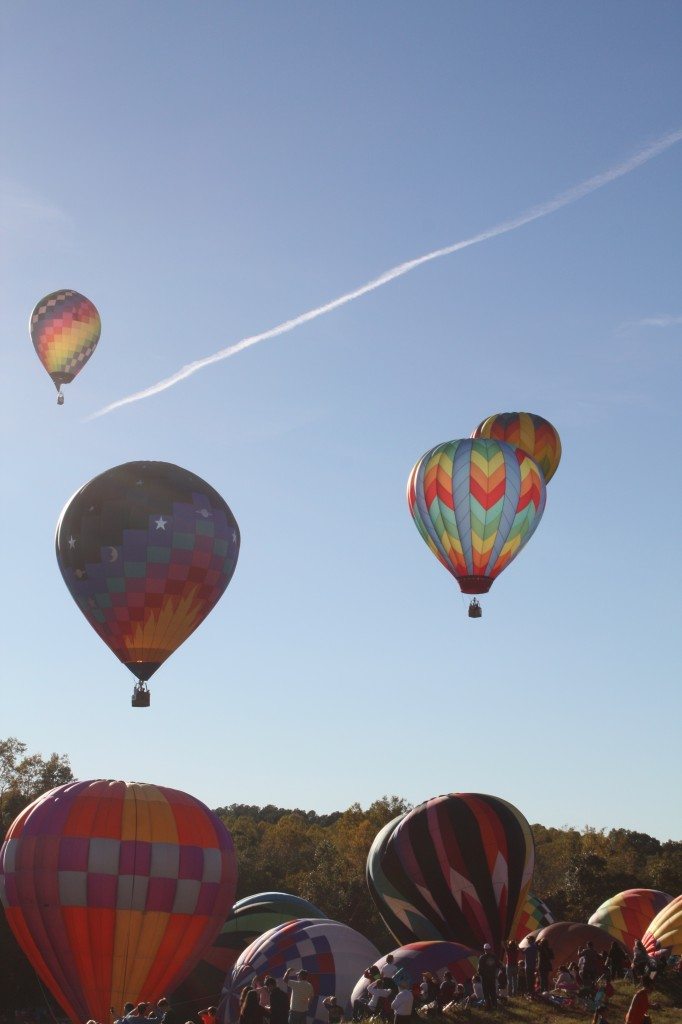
[146, 550]
[114, 889]
[476, 503]
[534, 915]
[333, 954]
[65, 328]
[248, 919]
[664, 934]
[626, 915]
[565, 938]
[456, 868]
[414, 958]
[531, 433]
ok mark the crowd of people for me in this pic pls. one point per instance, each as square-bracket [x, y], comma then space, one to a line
[585, 982]
[393, 995]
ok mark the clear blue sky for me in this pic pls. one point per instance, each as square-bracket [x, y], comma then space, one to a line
[204, 171]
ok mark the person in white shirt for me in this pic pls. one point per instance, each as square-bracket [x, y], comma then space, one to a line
[301, 994]
[402, 1004]
[377, 992]
[477, 998]
[389, 968]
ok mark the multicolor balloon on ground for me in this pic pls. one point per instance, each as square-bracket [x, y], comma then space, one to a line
[476, 503]
[664, 934]
[146, 550]
[333, 954]
[65, 328]
[531, 433]
[626, 915]
[534, 915]
[436, 957]
[565, 938]
[248, 919]
[456, 868]
[114, 889]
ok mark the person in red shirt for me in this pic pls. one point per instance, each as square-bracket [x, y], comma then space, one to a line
[638, 1013]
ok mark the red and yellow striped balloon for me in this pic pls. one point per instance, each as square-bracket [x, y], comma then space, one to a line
[664, 934]
[531, 433]
[114, 890]
[65, 328]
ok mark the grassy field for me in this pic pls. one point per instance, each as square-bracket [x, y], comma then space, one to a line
[667, 996]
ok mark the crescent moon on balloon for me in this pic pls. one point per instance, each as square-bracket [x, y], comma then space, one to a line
[113, 554]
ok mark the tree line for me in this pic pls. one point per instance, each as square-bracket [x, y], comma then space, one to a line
[322, 858]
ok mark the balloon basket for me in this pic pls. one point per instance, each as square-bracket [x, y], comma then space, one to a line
[60, 399]
[141, 696]
[475, 610]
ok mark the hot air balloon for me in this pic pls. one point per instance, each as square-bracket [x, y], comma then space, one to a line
[565, 938]
[146, 550]
[114, 889]
[664, 934]
[248, 919]
[626, 915]
[333, 954]
[456, 868]
[476, 503]
[65, 328]
[533, 434]
[534, 915]
[414, 958]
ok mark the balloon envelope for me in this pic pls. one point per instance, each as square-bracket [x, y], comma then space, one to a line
[534, 915]
[146, 550]
[531, 433]
[65, 328]
[476, 503]
[248, 919]
[664, 933]
[334, 955]
[455, 868]
[436, 957]
[565, 938]
[114, 889]
[626, 915]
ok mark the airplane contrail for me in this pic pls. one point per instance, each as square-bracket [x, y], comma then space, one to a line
[571, 195]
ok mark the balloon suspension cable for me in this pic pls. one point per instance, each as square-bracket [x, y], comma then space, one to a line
[475, 610]
[141, 696]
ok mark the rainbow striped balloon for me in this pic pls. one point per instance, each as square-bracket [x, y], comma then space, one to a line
[114, 890]
[65, 328]
[529, 432]
[627, 914]
[476, 502]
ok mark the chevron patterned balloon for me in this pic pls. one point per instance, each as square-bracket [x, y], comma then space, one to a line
[533, 434]
[476, 502]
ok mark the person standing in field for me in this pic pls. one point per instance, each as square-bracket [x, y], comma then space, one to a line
[403, 1002]
[488, 966]
[512, 956]
[638, 1011]
[278, 1002]
[302, 993]
[530, 956]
